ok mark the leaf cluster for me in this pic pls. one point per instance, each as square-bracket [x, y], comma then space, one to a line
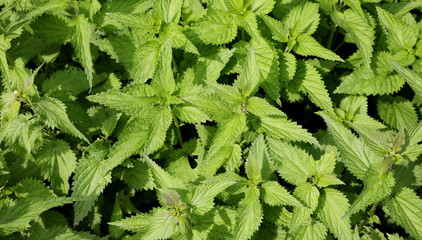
[210, 119]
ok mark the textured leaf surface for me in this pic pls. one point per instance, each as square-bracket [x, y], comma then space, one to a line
[161, 121]
[294, 163]
[405, 208]
[313, 85]
[400, 34]
[90, 179]
[282, 128]
[217, 27]
[398, 113]
[122, 101]
[18, 214]
[312, 231]
[257, 165]
[249, 215]
[161, 225]
[55, 114]
[354, 153]
[360, 30]
[413, 79]
[333, 205]
[308, 46]
[82, 38]
[61, 233]
[377, 186]
[57, 163]
[203, 197]
[276, 195]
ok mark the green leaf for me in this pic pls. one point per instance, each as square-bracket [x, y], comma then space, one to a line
[413, 79]
[35, 198]
[314, 231]
[9, 106]
[225, 136]
[137, 223]
[249, 80]
[170, 10]
[397, 112]
[170, 197]
[161, 225]
[260, 107]
[309, 195]
[74, 81]
[163, 79]
[22, 132]
[52, 28]
[278, 31]
[406, 209]
[380, 79]
[120, 48]
[190, 114]
[161, 119]
[257, 164]
[180, 40]
[332, 207]
[274, 194]
[139, 176]
[415, 133]
[360, 30]
[145, 60]
[229, 130]
[57, 163]
[55, 115]
[302, 19]
[208, 69]
[235, 159]
[324, 168]
[216, 224]
[249, 215]
[248, 22]
[4, 46]
[19, 22]
[125, 147]
[377, 185]
[362, 121]
[81, 40]
[162, 178]
[355, 155]
[202, 199]
[268, 65]
[124, 102]
[178, 165]
[313, 85]
[326, 163]
[400, 35]
[308, 46]
[262, 7]
[90, 179]
[216, 27]
[282, 128]
[294, 164]
[61, 233]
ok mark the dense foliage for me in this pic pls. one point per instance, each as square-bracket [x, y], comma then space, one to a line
[211, 119]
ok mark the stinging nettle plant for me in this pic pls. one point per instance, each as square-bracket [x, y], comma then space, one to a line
[211, 119]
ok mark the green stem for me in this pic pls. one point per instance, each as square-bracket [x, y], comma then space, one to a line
[178, 133]
[331, 37]
[341, 44]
